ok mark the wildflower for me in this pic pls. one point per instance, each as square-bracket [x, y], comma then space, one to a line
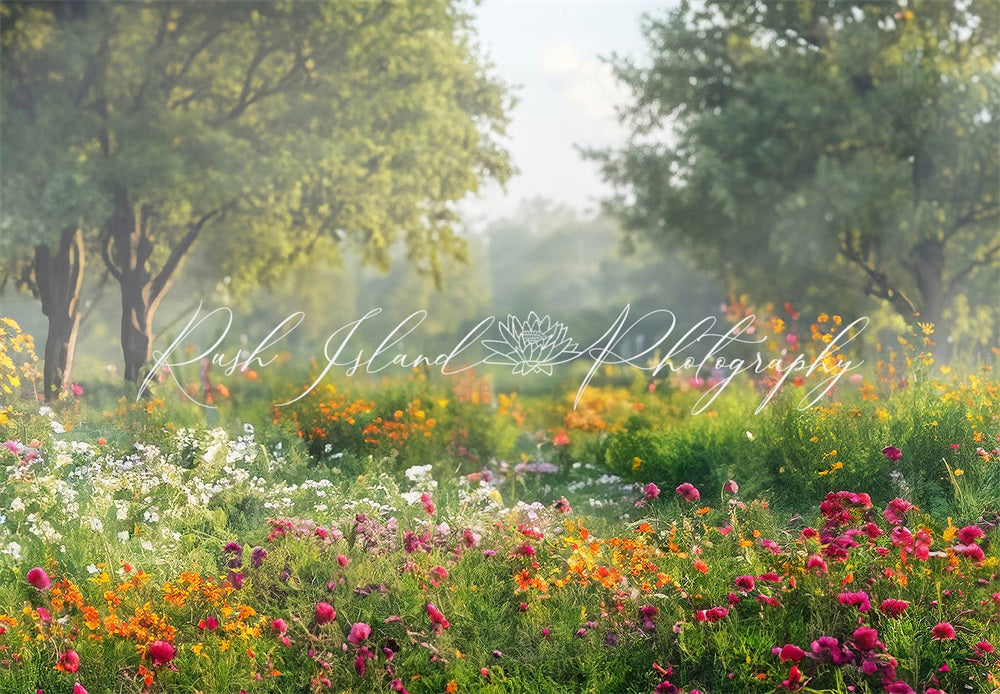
[69, 661]
[359, 632]
[79, 689]
[425, 499]
[325, 613]
[745, 583]
[892, 453]
[257, 556]
[794, 681]
[342, 560]
[279, 626]
[39, 579]
[562, 506]
[560, 439]
[211, 623]
[438, 621]
[860, 598]
[688, 492]
[791, 652]
[438, 573]
[469, 538]
[866, 638]
[731, 487]
[651, 491]
[943, 632]
[983, 647]
[893, 608]
[969, 534]
[894, 513]
[816, 562]
[497, 654]
[161, 652]
[646, 614]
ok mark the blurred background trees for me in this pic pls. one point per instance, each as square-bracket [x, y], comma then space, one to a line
[825, 151]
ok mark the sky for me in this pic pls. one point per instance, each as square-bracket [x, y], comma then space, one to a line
[552, 52]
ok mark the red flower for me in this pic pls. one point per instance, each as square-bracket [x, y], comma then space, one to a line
[688, 492]
[38, 578]
[792, 652]
[893, 608]
[892, 453]
[943, 632]
[560, 439]
[794, 681]
[866, 638]
[325, 613]
[70, 661]
[161, 652]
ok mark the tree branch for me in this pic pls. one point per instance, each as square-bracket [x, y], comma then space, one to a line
[162, 280]
[971, 267]
[898, 299]
[244, 99]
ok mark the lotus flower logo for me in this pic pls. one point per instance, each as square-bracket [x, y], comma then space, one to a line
[532, 346]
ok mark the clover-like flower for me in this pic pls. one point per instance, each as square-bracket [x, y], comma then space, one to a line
[532, 346]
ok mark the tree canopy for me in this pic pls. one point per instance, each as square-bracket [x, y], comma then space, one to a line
[264, 134]
[814, 148]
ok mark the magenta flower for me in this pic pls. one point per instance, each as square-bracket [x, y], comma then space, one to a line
[325, 613]
[943, 632]
[892, 453]
[160, 652]
[70, 661]
[279, 626]
[731, 487]
[688, 492]
[860, 598]
[38, 578]
[359, 632]
[893, 608]
[651, 491]
[79, 688]
[866, 638]
[342, 560]
[791, 652]
[817, 562]
[745, 583]
[970, 534]
[438, 621]
[896, 511]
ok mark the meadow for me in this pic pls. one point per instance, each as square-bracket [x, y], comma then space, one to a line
[437, 535]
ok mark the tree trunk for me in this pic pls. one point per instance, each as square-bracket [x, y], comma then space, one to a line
[60, 280]
[137, 326]
[927, 261]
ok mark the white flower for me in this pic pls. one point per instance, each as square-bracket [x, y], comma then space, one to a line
[13, 550]
[248, 429]
[123, 536]
[17, 505]
[58, 428]
[92, 569]
[45, 411]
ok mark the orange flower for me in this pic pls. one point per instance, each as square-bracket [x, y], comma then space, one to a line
[701, 566]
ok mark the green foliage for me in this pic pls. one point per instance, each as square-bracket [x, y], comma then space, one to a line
[809, 146]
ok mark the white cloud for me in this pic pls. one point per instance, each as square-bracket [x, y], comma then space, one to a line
[558, 58]
[595, 91]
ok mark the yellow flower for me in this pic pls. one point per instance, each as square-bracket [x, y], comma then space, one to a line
[927, 328]
[636, 462]
[822, 318]
[959, 471]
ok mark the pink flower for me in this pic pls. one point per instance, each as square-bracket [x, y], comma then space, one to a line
[437, 618]
[279, 626]
[896, 510]
[325, 613]
[970, 534]
[866, 638]
[893, 608]
[342, 560]
[38, 578]
[77, 389]
[425, 499]
[816, 562]
[651, 491]
[943, 632]
[973, 552]
[859, 598]
[438, 573]
[161, 652]
[562, 506]
[359, 632]
[469, 538]
[688, 492]
[745, 583]
[984, 647]
[70, 661]
[79, 689]
[731, 487]
[892, 453]
[791, 652]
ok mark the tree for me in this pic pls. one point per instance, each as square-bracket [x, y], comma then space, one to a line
[801, 147]
[267, 134]
[45, 209]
